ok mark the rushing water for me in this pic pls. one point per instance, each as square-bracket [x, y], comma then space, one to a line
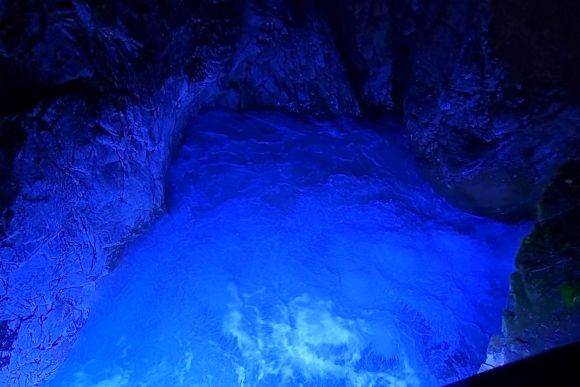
[299, 254]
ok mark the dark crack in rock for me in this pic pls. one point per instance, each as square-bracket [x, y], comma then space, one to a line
[7, 337]
[286, 59]
[375, 39]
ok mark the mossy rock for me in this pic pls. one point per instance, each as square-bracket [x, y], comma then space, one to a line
[570, 295]
[545, 290]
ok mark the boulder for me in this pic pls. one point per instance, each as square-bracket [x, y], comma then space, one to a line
[544, 306]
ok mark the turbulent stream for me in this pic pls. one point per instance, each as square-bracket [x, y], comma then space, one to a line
[301, 254]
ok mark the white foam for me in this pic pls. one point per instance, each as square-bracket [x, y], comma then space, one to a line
[81, 380]
[305, 340]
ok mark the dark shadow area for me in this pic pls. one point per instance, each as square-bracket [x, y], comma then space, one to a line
[540, 42]
[558, 367]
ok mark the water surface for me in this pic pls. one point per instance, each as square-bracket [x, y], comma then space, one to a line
[299, 254]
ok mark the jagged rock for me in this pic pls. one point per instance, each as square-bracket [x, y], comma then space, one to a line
[286, 59]
[375, 38]
[95, 93]
[488, 90]
[544, 309]
[84, 170]
[87, 185]
[491, 131]
[489, 134]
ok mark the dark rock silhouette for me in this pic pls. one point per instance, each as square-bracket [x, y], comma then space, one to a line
[544, 309]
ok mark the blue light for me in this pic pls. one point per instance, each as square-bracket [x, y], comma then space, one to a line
[297, 254]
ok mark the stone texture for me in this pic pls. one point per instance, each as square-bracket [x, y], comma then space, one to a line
[544, 309]
[88, 184]
[85, 166]
[488, 90]
[374, 38]
[490, 132]
[286, 59]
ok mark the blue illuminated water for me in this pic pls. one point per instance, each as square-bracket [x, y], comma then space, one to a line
[298, 254]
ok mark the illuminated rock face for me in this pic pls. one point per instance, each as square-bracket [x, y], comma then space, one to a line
[85, 188]
[85, 165]
[95, 94]
[287, 59]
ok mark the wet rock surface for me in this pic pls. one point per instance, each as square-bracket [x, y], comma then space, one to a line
[487, 90]
[375, 40]
[84, 166]
[544, 310]
[491, 131]
[286, 59]
[86, 186]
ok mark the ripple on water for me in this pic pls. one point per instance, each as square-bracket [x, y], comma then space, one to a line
[300, 254]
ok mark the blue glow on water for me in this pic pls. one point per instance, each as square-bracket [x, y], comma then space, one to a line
[297, 254]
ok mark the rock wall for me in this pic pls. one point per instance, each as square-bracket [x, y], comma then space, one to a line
[491, 132]
[87, 184]
[375, 40]
[86, 163]
[544, 308]
[487, 90]
[286, 59]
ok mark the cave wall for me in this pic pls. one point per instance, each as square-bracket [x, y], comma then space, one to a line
[492, 106]
[286, 59]
[95, 94]
[544, 307]
[487, 90]
[375, 41]
[87, 165]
